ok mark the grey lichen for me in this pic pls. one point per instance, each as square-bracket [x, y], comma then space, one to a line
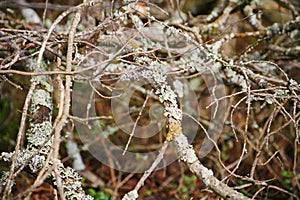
[172, 30]
[132, 195]
[5, 156]
[172, 111]
[39, 133]
[236, 78]
[36, 163]
[71, 182]
[185, 150]
[192, 61]
[137, 21]
[166, 94]
[43, 81]
[22, 157]
[206, 175]
[41, 97]
[3, 178]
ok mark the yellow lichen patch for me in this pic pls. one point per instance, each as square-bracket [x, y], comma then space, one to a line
[173, 129]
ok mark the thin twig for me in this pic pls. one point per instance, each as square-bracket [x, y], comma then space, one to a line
[135, 123]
